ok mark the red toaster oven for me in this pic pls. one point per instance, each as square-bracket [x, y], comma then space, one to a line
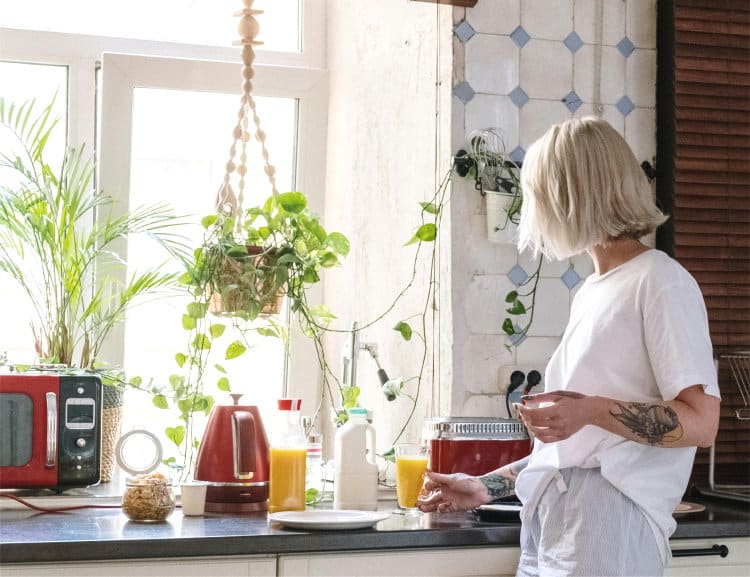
[50, 430]
[474, 446]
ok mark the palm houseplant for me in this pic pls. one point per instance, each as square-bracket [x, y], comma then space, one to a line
[58, 239]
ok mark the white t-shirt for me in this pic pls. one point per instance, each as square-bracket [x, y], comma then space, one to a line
[637, 333]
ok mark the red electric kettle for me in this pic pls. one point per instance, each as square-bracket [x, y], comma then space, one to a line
[233, 459]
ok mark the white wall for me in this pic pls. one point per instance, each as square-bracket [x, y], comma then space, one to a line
[388, 139]
[492, 65]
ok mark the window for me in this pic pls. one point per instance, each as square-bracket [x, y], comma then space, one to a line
[163, 122]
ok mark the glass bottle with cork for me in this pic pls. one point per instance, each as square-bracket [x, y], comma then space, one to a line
[288, 459]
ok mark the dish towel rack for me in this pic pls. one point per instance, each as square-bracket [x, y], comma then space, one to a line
[739, 365]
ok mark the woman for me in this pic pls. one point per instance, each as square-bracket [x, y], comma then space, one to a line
[630, 391]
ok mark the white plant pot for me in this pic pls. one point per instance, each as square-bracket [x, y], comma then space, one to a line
[499, 227]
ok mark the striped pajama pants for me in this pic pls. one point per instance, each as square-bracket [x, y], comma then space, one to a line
[584, 526]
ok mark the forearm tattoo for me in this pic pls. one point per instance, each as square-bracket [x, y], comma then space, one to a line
[657, 424]
[497, 485]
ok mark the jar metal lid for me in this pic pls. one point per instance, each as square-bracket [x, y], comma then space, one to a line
[138, 452]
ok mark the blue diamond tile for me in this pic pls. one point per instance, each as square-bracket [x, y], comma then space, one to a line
[572, 101]
[625, 46]
[570, 278]
[517, 338]
[573, 42]
[625, 105]
[517, 154]
[464, 31]
[464, 92]
[519, 96]
[520, 37]
[517, 275]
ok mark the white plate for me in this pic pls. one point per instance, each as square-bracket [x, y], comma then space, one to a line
[327, 520]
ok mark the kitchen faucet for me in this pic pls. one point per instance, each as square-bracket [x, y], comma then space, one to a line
[349, 358]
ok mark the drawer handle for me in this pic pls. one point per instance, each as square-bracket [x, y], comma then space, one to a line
[720, 550]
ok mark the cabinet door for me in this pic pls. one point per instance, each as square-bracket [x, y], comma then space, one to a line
[459, 562]
[737, 562]
[260, 566]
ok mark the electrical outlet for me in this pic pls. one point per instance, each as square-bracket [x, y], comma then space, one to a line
[505, 371]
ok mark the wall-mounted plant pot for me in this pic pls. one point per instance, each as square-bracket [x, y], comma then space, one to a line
[500, 208]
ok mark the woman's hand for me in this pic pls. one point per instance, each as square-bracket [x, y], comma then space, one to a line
[568, 413]
[454, 492]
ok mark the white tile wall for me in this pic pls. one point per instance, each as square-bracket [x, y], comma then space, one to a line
[537, 116]
[613, 28]
[495, 17]
[612, 80]
[550, 268]
[546, 74]
[547, 19]
[641, 77]
[487, 110]
[641, 23]
[492, 64]
[546, 69]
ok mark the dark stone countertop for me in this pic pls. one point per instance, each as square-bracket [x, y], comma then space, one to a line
[98, 534]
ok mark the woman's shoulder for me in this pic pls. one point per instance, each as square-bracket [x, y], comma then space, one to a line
[659, 270]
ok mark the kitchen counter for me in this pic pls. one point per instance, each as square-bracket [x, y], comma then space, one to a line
[94, 534]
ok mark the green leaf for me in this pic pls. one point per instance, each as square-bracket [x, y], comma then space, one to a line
[517, 308]
[223, 384]
[322, 314]
[412, 240]
[220, 368]
[390, 455]
[235, 350]
[339, 243]
[197, 310]
[350, 396]
[201, 342]
[311, 276]
[209, 221]
[508, 327]
[294, 202]
[311, 496]
[176, 381]
[175, 434]
[216, 330]
[267, 332]
[180, 358]
[511, 296]
[328, 260]
[429, 207]
[188, 322]
[405, 330]
[160, 401]
[427, 232]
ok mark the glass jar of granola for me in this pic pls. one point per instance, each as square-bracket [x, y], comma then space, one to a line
[148, 498]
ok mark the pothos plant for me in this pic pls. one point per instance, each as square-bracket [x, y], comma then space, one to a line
[276, 250]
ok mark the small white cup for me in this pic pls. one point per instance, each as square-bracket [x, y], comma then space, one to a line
[193, 498]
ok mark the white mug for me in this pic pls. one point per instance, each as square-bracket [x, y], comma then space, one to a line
[193, 498]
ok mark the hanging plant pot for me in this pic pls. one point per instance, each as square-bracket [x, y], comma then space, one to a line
[252, 283]
[502, 215]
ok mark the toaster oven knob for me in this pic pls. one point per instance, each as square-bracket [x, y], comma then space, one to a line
[81, 442]
[80, 390]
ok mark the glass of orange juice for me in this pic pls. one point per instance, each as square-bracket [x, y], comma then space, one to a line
[411, 464]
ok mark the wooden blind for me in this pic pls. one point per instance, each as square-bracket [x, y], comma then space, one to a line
[710, 199]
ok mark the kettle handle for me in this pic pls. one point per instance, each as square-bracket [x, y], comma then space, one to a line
[243, 444]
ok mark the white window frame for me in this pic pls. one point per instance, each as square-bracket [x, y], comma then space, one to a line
[299, 75]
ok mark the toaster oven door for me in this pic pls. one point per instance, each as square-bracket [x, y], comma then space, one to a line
[29, 426]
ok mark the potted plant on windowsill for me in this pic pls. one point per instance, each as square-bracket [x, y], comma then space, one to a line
[57, 243]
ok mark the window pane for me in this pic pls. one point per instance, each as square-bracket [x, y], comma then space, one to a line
[207, 22]
[20, 83]
[180, 146]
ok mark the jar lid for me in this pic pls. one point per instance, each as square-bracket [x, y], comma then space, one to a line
[138, 452]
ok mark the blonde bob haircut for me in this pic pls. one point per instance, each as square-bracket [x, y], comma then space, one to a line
[582, 187]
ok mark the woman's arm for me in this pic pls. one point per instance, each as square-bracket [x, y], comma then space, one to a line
[690, 420]
[460, 492]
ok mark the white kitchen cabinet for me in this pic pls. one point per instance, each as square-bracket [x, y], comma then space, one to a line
[458, 562]
[255, 566]
[736, 564]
